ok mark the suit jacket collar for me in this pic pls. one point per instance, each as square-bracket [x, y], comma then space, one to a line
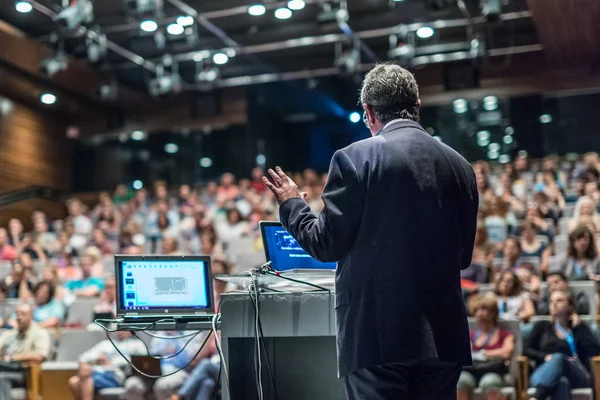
[399, 124]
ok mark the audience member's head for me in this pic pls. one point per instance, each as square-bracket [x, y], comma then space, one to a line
[24, 317]
[50, 274]
[228, 179]
[220, 266]
[512, 249]
[3, 237]
[44, 293]
[169, 245]
[508, 285]
[234, 216]
[485, 309]
[562, 305]
[557, 281]
[529, 231]
[582, 245]
[76, 207]
[109, 294]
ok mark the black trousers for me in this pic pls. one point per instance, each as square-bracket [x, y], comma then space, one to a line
[423, 380]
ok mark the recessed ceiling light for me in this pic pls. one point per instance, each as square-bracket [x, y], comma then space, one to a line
[148, 26]
[175, 29]
[296, 4]
[545, 118]
[48, 98]
[138, 135]
[283, 13]
[137, 184]
[256, 10]
[171, 148]
[425, 32]
[205, 162]
[23, 7]
[185, 20]
[220, 58]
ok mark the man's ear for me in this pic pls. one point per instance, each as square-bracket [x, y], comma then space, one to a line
[418, 103]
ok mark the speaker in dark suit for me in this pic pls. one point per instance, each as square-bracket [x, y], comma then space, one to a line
[399, 218]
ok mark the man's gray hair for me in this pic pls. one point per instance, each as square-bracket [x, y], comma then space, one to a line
[392, 93]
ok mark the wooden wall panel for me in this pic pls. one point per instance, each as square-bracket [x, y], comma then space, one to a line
[23, 210]
[34, 150]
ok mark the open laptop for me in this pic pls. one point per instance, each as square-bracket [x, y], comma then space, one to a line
[151, 288]
[285, 254]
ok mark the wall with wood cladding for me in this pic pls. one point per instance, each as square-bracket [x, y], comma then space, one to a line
[34, 150]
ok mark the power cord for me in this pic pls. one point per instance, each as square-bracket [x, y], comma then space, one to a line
[253, 292]
[266, 269]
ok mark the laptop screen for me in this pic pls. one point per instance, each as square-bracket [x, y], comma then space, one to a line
[284, 252]
[164, 283]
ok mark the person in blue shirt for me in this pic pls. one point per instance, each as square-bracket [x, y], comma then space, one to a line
[88, 285]
[48, 312]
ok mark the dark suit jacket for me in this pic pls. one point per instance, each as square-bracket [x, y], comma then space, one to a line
[399, 218]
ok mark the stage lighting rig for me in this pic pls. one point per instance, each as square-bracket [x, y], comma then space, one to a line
[143, 6]
[167, 78]
[96, 46]
[491, 9]
[347, 60]
[51, 65]
[78, 13]
[334, 12]
[402, 47]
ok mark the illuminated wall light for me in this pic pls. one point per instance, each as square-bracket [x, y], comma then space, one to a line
[509, 130]
[354, 117]
[185, 20]
[495, 147]
[545, 118]
[48, 98]
[138, 135]
[175, 29]
[425, 32]
[483, 135]
[490, 103]
[23, 7]
[171, 148]
[148, 26]
[261, 159]
[523, 153]
[137, 184]
[283, 13]
[504, 159]
[220, 58]
[460, 106]
[296, 4]
[257, 10]
[206, 162]
[507, 139]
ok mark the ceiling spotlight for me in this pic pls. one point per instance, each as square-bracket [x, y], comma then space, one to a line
[492, 155]
[220, 58]
[483, 142]
[504, 159]
[48, 98]
[490, 103]
[483, 135]
[460, 106]
[507, 139]
[545, 118]
[283, 13]
[51, 65]
[425, 32]
[296, 4]
[354, 117]
[256, 10]
[76, 14]
[494, 147]
[148, 25]
[261, 159]
[138, 135]
[171, 148]
[137, 184]
[185, 20]
[523, 153]
[208, 75]
[509, 130]
[206, 162]
[23, 7]
[175, 29]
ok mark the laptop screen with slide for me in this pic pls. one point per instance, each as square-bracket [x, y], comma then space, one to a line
[164, 285]
[284, 252]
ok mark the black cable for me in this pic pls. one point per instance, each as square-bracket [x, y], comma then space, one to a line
[171, 355]
[158, 376]
[220, 362]
[277, 274]
[267, 356]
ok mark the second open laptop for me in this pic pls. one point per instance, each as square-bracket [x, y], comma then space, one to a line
[155, 287]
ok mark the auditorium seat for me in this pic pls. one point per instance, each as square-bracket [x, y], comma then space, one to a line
[561, 244]
[9, 307]
[563, 226]
[81, 312]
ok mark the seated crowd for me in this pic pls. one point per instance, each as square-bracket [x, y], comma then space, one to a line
[537, 232]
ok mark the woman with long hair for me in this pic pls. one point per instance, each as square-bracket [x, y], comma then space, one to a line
[561, 349]
[513, 301]
[581, 262]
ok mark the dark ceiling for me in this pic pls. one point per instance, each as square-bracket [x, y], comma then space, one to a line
[254, 34]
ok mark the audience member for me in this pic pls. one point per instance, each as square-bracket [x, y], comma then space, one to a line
[585, 214]
[561, 350]
[513, 301]
[108, 299]
[19, 283]
[102, 367]
[50, 275]
[48, 312]
[557, 281]
[27, 343]
[87, 285]
[498, 220]
[15, 230]
[492, 349]
[7, 252]
[581, 261]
